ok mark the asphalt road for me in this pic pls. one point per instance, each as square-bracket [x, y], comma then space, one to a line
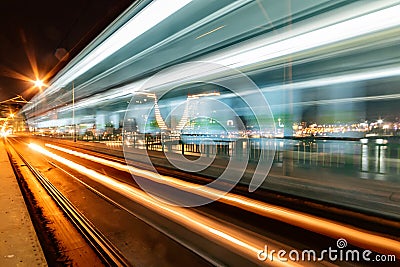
[150, 234]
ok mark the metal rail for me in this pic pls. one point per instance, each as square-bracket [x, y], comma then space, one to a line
[353, 235]
[107, 252]
[333, 232]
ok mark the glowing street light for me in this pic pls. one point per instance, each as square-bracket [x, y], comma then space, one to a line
[38, 83]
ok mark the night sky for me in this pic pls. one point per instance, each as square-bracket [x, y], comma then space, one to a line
[47, 34]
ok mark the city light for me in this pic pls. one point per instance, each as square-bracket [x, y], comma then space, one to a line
[39, 84]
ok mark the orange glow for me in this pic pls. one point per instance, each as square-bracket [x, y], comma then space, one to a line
[34, 68]
[239, 240]
[39, 83]
[326, 227]
[316, 224]
[19, 76]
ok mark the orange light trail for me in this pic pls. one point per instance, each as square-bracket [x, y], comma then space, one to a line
[240, 241]
[326, 227]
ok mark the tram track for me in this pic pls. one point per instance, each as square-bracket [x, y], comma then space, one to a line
[116, 204]
[319, 225]
[374, 222]
[163, 226]
[104, 249]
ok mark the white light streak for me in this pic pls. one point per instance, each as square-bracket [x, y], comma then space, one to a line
[207, 33]
[146, 19]
[362, 20]
[366, 24]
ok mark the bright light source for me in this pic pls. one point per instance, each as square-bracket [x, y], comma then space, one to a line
[39, 83]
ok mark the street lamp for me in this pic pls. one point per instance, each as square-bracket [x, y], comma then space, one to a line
[73, 111]
[38, 83]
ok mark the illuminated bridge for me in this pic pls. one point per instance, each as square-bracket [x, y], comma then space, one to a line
[201, 133]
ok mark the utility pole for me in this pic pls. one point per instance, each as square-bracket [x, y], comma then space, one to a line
[73, 112]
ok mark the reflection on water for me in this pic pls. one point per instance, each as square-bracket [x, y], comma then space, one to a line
[361, 174]
[372, 158]
[376, 159]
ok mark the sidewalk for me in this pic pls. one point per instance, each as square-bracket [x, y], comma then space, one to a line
[19, 245]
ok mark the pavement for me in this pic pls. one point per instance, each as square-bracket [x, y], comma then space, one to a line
[19, 244]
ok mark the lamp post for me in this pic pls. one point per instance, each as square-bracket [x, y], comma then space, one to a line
[38, 84]
[34, 115]
[73, 112]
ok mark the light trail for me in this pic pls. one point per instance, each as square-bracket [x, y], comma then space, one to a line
[326, 227]
[238, 240]
[332, 29]
[207, 33]
[146, 19]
